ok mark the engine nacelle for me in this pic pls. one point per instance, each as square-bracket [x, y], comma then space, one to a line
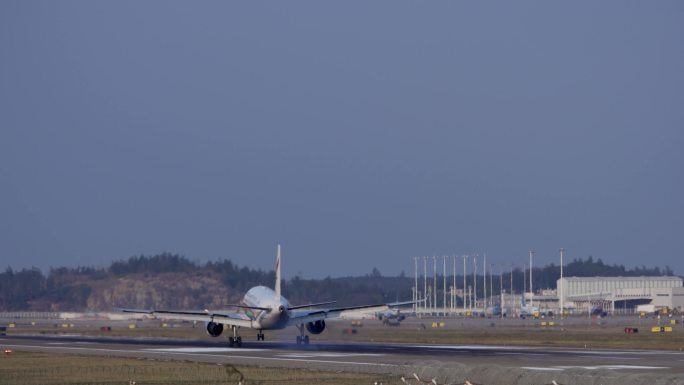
[316, 327]
[214, 329]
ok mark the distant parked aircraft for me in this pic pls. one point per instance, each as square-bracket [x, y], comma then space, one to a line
[527, 310]
[391, 316]
[263, 309]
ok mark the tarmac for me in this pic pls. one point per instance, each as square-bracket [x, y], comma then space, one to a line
[490, 365]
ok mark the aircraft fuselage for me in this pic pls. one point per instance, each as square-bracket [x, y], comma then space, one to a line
[265, 297]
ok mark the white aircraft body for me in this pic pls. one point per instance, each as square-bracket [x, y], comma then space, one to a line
[527, 310]
[263, 309]
[390, 317]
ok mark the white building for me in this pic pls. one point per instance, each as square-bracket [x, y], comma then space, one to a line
[584, 292]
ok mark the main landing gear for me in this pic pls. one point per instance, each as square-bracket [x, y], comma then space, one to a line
[302, 339]
[260, 336]
[235, 340]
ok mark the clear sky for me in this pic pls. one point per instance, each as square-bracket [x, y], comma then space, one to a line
[358, 134]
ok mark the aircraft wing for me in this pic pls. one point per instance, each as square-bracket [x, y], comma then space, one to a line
[302, 317]
[227, 318]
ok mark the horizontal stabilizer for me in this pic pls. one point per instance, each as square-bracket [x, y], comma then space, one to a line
[311, 305]
[250, 307]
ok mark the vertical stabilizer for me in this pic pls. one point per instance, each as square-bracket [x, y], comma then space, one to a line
[277, 273]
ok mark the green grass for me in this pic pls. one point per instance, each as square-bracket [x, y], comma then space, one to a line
[28, 368]
[457, 331]
[554, 336]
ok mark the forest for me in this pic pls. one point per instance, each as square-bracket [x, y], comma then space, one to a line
[173, 281]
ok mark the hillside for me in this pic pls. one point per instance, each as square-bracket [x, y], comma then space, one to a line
[171, 281]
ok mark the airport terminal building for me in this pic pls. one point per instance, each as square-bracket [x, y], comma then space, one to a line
[582, 293]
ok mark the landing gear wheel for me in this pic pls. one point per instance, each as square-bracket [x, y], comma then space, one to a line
[260, 337]
[235, 340]
[301, 338]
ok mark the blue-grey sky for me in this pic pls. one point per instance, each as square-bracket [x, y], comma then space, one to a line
[358, 134]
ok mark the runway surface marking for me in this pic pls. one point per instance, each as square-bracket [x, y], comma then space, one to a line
[325, 354]
[256, 358]
[613, 367]
[533, 350]
[203, 350]
[628, 352]
[519, 354]
[475, 347]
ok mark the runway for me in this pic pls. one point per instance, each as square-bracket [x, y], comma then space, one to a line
[401, 359]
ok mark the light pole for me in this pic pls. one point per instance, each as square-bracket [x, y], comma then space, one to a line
[524, 280]
[453, 293]
[464, 281]
[434, 282]
[415, 285]
[511, 279]
[444, 302]
[561, 282]
[474, 281]
[491, 284]
[484, 280]
[425, 283]
[451, 298]
[531, 287]
[501, 287]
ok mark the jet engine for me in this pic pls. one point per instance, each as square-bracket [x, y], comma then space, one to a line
[214, 329]
[316, 327]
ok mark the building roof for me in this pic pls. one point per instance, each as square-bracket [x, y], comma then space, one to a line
[641, 278]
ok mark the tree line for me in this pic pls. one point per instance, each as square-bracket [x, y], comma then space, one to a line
[68, 288]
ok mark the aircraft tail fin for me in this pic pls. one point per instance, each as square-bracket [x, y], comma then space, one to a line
[277, 274]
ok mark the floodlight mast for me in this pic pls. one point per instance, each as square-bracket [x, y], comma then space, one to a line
[491, 284]
[425, 283]
[531, 255]
[484, 282]
[444, 301]
[434, 282]
[561, 250]
[501, 288]
[415, 286]
[511, 279]
[524, 269]
[464, 281]
[453, 294]
[474, 304]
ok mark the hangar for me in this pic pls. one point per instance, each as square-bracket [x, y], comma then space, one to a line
[583, 293]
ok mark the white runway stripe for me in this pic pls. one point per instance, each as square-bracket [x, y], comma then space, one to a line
[254, 358]
[324, 354]
[613, 367]
[203, 350]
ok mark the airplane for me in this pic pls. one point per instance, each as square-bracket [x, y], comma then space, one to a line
[390, 317]
[263, 309]
[526, 310]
